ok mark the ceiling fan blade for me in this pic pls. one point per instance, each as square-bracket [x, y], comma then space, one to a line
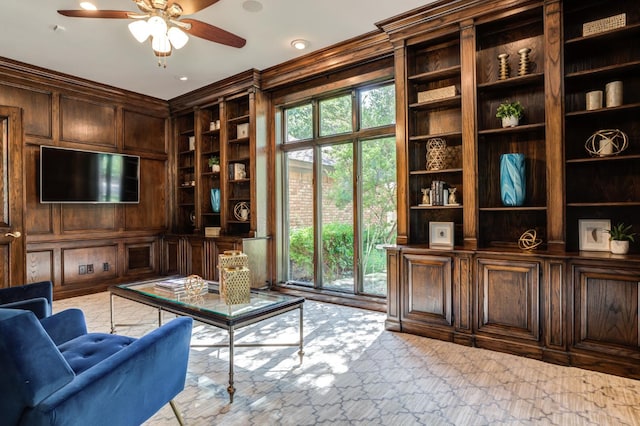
[108, 14]
[192, 6]
[215, 34]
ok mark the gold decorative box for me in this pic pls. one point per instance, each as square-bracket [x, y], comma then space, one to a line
[437, 94]
[237, 285]
[232, 258]
[604, 24]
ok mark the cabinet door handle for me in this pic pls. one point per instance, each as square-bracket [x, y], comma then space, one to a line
[16, 234]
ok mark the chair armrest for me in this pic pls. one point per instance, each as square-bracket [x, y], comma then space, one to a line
[128, 387]
[65, 325]
[42, 289]
[39, 306]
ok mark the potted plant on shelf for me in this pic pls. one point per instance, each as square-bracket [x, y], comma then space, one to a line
[214, 163]
[619, 236]
[510, 113]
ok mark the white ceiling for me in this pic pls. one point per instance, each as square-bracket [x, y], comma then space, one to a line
[104, 51]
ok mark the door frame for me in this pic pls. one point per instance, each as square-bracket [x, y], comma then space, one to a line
[16, 275]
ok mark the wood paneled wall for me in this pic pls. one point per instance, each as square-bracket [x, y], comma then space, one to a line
[119, 242]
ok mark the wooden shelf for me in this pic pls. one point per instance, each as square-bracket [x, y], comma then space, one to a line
[525, 80]
[517, 129]
[441, 74]
[626, 31]
[424, 138]
[435, 207]
[440, 103]
[603, 110]
[434, 172]
[606, 204]
[239, 141]
[512, 209]
[238, 120]
[602, 72]
[603, 159]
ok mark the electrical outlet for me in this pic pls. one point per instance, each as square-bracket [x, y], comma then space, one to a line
[105, 267]
[90, 268]
[82, 269]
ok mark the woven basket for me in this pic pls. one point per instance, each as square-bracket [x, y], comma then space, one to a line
[237, 285]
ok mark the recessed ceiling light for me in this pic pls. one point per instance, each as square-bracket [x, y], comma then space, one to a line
[88, 5]
[252, 6]
[300, 44]
[182, 77]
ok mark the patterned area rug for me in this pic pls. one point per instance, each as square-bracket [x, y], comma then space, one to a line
[356, 373]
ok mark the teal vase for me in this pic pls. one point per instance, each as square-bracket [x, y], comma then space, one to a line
[215, 200]
[512, 179]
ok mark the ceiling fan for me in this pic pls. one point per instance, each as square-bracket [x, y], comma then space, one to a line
[160, 21]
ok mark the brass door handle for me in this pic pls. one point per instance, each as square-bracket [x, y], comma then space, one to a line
[16, 234]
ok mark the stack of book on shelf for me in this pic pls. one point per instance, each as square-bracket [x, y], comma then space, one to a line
[173, 288]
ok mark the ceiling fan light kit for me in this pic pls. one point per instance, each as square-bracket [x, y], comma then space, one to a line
[160, 22]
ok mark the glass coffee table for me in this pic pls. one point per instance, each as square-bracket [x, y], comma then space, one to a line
[211, 309]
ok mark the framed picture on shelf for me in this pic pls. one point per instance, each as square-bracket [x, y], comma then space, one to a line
[593, 234]
[441, 235]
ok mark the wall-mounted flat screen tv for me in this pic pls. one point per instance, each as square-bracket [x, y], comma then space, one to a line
[78, 176]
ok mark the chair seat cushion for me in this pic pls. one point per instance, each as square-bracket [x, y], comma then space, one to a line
[86, 351]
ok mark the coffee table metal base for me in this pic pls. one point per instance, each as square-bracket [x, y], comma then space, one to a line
[231, 344]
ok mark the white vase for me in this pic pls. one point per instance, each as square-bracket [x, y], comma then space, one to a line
[511, 121]
[215, 168]
[619, 247]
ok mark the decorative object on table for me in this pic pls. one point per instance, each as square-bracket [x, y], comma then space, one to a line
[504, 70]
[613, 94]
[592, 234]
[237, 285]
[604, 24]
[194, 286]
[426, 197]
[607, 142]
[242, 130]
[233, 260]
[453, 201]
[237, 171]
[510, 113]
[512, 179]
[594, 100]
[214, 163]
[181, 287]
[436, 153]
[241, 211]
[529, 240]
[441, 235]
[524, 66]
[215, 200]
[437, 94]
[619, 238]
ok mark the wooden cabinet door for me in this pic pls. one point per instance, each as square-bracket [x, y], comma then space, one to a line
[607, 310]
[12, 238]
[509, 298]
[427, 296]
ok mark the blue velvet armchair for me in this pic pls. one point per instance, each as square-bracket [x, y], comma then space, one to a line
[36, 297]
[55, 373]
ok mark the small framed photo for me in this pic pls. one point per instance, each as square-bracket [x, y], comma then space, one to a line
[593, 234]
[441, 235]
